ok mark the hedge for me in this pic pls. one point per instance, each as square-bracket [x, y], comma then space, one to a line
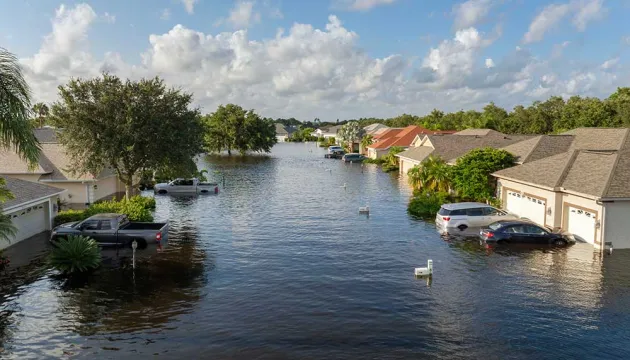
[138, 208]
[427, 204]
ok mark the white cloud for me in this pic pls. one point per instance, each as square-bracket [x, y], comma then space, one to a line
[625, 40]
[362, 5]
[189, 5]
[243, 15]
[584, 11]
[310, 72]
[558, 49]
[587, 11]
[166, 14]
[610, 63]
[109, 18]
[470, 13]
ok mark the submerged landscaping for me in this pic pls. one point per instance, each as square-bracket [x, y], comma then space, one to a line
[137, 208]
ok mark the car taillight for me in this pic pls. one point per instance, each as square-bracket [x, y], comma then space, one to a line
[446, 218]
[489, 234]
[158, 237]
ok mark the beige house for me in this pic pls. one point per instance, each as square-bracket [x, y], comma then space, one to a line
[53, 170]
[32, 209]
[584, 190]
[450, 147]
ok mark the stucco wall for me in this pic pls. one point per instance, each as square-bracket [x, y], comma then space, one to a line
[584, 203]
[405, 165]
[26, 177]
[281, 138]
[551, 200]
[617, 226]
[106, 188]
[75, 191]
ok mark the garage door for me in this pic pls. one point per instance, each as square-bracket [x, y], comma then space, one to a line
[582, 224]
[526, 206]
[406, 165]
[30, 221]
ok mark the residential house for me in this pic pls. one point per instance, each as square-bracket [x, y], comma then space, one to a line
[32, 209]
[450, 147]
[54, 169]
[584, 190]
[375, 128]
[283, 132]
[397, 137]
[327, 132]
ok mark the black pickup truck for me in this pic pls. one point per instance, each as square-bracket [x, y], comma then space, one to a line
[114, 230]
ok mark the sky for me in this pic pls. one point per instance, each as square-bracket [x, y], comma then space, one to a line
[330, 59]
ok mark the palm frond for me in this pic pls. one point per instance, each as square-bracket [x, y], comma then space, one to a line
[15, 107]
[7, 229]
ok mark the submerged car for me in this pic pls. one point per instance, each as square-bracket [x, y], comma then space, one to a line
[521, 232]
[333, 149]
[353, 157]
[335, 155]
[458, 217]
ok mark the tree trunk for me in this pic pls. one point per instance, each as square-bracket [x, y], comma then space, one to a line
[229, 152]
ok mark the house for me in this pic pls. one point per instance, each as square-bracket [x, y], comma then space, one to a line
[451, 147]
[396, 137]
[375, 128]
[53, 169]
[31, 210]
[327, 132]
[282, 134]
[584, 190]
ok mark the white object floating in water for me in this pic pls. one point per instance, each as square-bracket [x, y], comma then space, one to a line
[344, 185]
[364, 210]
[425, 271]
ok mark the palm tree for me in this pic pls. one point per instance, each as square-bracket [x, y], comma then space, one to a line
[366, 141]
[434, 174]
[41, 110]
[16, 132]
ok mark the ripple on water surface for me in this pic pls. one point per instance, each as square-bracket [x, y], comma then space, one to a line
[281, 265]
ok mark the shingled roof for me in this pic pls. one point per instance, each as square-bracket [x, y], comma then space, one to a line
[540, 147]
[24, 191]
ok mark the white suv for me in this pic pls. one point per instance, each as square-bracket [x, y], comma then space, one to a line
[461, 216]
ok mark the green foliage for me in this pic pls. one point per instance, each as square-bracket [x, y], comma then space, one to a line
[41, 112]
[233, 128]
[350, 133]
[129, 126]
[137, 208]
[304, 134]
[325, 142]
[427, 203]
[7, 229]
[366, 141]
[76, 254]
[472, 173]
[434, 174]
[390, 161]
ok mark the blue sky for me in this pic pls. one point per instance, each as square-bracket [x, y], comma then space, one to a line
[379, 57]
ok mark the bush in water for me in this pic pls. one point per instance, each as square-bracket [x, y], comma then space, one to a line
[426, 203]
[137, 208]
[76, 254]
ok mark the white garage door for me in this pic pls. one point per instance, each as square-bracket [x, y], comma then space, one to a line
[582, 224]
[30, 221]
[406, 165]
[526, 206]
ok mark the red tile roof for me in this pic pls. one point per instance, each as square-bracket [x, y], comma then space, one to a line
[403, 137]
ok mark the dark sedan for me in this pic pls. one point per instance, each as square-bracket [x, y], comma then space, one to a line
[520, 232]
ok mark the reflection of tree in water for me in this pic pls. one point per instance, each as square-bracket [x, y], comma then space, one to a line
[165, 286]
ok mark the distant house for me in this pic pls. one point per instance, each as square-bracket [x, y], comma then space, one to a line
[451, 147]
[327, 132]
[578, 182]
[53, 169]
[375, 128]
[398, 137]
[31, 210]
[282, 134]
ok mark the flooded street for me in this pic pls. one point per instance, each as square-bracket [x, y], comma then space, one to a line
[280, 265]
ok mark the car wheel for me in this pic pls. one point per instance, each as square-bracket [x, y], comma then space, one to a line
[560, 242]
[462, 227]
[161, 192]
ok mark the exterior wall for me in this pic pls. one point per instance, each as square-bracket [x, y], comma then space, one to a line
[281, 138]
[26, 177]
[36, 222]
[586, 204]
[107, 187]
[405, 164]
[616, 225]
[553, 220]
[376, 153]
[76, 192]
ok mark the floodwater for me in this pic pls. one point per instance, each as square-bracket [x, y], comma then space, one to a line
[280, 265]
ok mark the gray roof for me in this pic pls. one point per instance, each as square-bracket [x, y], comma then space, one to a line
[281, 130]
[417, 153]
[540, 147]
[602, 171]
[25, 191]
[450, 147]
[478, 132]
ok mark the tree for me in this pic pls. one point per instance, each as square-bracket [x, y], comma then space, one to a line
[16, 132]
[366, 141]
[233, 128]
[390, 161]
[128, 126]
[41, 111]
[433, 174]
[472, 177]
[350, 133]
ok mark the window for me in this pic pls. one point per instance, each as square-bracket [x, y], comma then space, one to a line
[187, 182]
[490, 211]
[444, 211]
[516, 229]
[474, 212]
[495, 226]
[535, 230]
[90, 225]
[105, 225]
[460, 212]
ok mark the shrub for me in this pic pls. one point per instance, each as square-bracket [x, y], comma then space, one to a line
[427, 204]
[137, 208]
[76, 254]
[4, 261]
[67, 216]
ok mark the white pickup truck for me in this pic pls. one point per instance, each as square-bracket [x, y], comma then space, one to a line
[186, 186]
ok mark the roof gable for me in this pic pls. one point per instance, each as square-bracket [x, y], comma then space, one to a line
[25, 191]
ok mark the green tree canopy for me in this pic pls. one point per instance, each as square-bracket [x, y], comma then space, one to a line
[433, 174]
[233, 128]
[472, 177]
[126, 125]
[350, 133]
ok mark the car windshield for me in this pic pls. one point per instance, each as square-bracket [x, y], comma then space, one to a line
[495, 226]
[444, 211]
